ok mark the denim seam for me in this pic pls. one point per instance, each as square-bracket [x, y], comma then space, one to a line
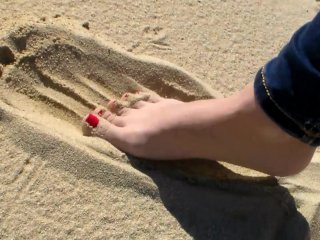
[307, 133]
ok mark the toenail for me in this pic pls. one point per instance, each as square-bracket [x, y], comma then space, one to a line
[100, 112]
[92, 120]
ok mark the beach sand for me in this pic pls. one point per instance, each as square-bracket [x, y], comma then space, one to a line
[58, 61]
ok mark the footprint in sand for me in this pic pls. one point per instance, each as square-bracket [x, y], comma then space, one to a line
[69, 74]
[49, 72]
[58, 67]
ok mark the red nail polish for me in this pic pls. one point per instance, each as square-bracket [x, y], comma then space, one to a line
[92, 120]
[100, 112]
[124, 96]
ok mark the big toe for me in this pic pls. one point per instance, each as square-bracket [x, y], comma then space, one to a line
[93, 125]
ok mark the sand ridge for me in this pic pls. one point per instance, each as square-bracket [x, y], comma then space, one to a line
[52, 76]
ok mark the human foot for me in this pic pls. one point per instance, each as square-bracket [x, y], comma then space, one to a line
[233, 129]
[142, 125]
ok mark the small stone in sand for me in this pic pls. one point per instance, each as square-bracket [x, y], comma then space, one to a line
[43, 19]
[57, 16]
[6, 55]
[86, 25]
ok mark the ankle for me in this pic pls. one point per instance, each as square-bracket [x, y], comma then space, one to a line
[262, 144]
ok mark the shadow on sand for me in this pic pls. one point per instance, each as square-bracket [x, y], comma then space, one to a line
[234, 208]
[207, 199]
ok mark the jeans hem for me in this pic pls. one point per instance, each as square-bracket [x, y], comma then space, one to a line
[276, 114]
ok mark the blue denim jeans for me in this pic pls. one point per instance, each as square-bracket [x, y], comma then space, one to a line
[288, 87]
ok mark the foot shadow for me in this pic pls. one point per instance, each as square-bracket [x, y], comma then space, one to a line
[208, 200]
[57, 68]
[221, 204]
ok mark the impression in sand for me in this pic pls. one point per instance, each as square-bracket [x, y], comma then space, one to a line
[51, 77]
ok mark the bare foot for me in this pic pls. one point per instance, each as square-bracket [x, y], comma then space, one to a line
[232, 129]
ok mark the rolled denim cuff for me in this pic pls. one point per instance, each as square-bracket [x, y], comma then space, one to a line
[288, 87]
[278, 115]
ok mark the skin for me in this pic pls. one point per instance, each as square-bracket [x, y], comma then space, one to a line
[233, 129]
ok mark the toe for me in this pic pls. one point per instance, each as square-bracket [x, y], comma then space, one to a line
[109, 116]
[134, 97]
[88, 123]
[113, 118]
[154, 98]
[115, 106]
[140, 104]
[100, 127]
[149, 97]
[112, 105]
[126, 96]
[99, 111]
[135, 100]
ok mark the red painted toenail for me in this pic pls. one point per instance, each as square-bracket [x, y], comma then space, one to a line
[92, 120]
[100, 112]
[124, 96]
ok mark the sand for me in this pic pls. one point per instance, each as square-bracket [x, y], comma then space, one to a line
[60, 60]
